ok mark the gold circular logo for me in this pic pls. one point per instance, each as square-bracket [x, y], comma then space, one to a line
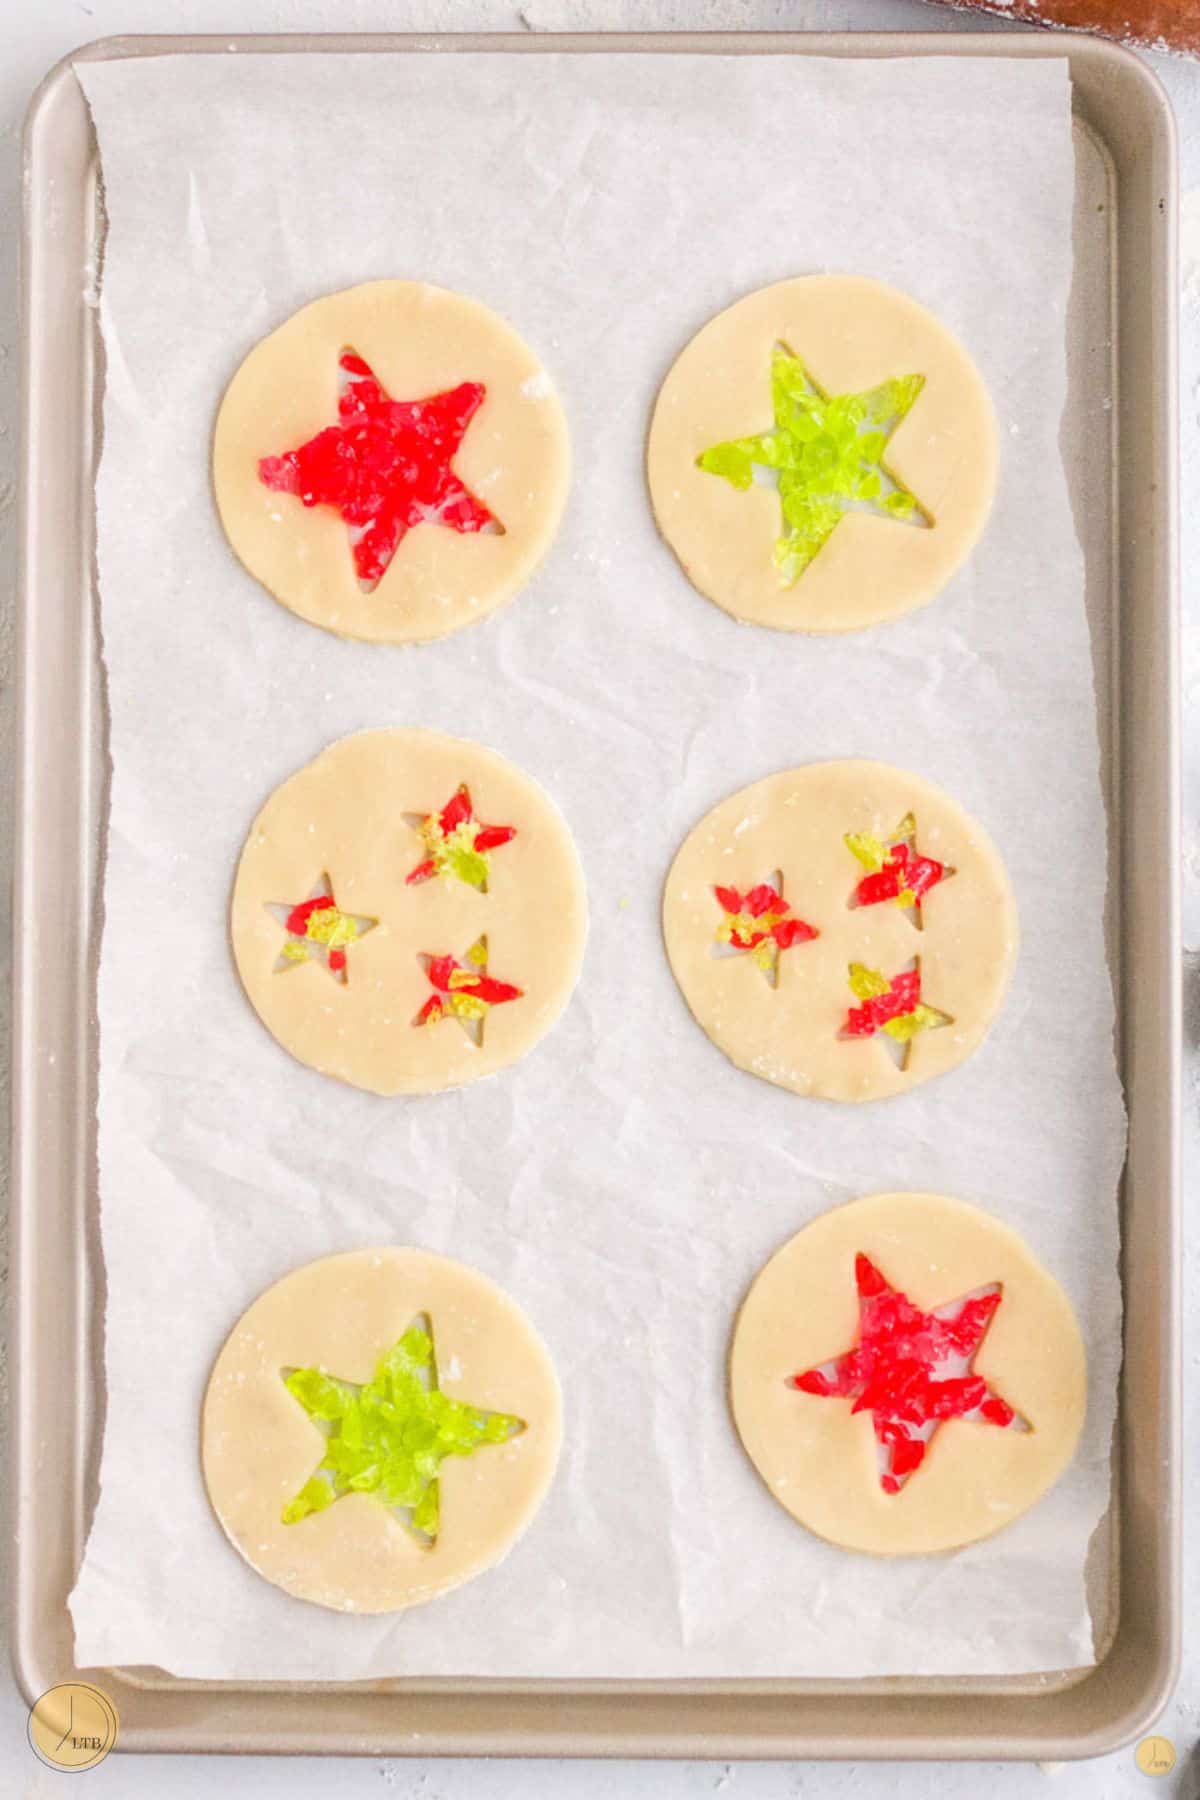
[1155, 1756]
[73, 1726]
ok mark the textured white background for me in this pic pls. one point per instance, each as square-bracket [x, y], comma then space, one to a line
[26, 48]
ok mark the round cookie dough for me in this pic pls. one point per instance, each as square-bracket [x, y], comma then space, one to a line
[341, 1315]
[795, 824]
[514, 457]
[851, 334]
[350, 822]
[819, 1458]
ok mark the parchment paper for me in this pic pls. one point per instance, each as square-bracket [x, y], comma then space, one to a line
[624, 1182]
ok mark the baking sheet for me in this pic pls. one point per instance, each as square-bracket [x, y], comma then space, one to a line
[623, 1182]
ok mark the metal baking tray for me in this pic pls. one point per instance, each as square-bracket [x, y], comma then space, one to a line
[1121, 456]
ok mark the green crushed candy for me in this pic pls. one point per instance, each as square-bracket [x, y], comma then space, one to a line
[389, 1437]
[457, 855]
[827, 451]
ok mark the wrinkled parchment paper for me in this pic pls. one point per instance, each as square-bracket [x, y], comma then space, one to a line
[623, 1182]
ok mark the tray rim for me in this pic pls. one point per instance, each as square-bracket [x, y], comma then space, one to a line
[618, 1718]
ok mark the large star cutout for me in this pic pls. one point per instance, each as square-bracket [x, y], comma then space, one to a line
[457, 843]
[825, 453]
[318, 931]
[390, 1436]
[912, 1370]
[761, 922]
[464, 991]
[895, 870]
[385, 466]
[894, 1007]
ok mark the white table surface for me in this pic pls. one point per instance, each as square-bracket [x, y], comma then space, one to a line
[34, 34]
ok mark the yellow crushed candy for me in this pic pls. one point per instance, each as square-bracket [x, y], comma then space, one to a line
[330, 926]
[467, 1006]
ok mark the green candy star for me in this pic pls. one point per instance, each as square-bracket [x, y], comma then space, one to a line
[389, 1437]
[827, 454]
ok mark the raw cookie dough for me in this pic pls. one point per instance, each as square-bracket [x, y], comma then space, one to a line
[820, 1459]
[514, 458]
[259, 1446]
[792, 1030]
[851, 335]
[346, 999]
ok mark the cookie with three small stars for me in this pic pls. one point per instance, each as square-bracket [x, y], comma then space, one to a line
[822, 455]
[409, 912]
[844, 930]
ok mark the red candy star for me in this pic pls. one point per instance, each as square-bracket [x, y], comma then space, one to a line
[385, 466]
[899, 999]
[318, 931]
[464, 991]
[895, 871]
[760, 921]
[758, 914]
[911, 1370]
[893, 1006]
[904, 872]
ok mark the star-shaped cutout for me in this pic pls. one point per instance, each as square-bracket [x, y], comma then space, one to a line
[912, 1370]
[464, 991]
[825, 454]
[892, 1006]
[457, 843]
[318, 931]
[895, 870]
[385, 466]
[389, 1436]
[760, 922]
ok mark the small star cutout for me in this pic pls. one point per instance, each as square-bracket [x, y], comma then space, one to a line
[389, 1436]
[894, 1007]
[318, 931]
[895, 871]
[385, 466]
[760, 921]
[825, 452]
[464, 991]
[911, 1371]
[457, 843]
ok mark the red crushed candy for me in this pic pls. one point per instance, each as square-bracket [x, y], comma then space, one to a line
[457, 810]
[760, 916]
[904, 872]
[902, 997]
[492, 836]
[450, 976]
[297, 919]
[907, 1371]
[385, 466]
[464, 990]
[895, 871]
